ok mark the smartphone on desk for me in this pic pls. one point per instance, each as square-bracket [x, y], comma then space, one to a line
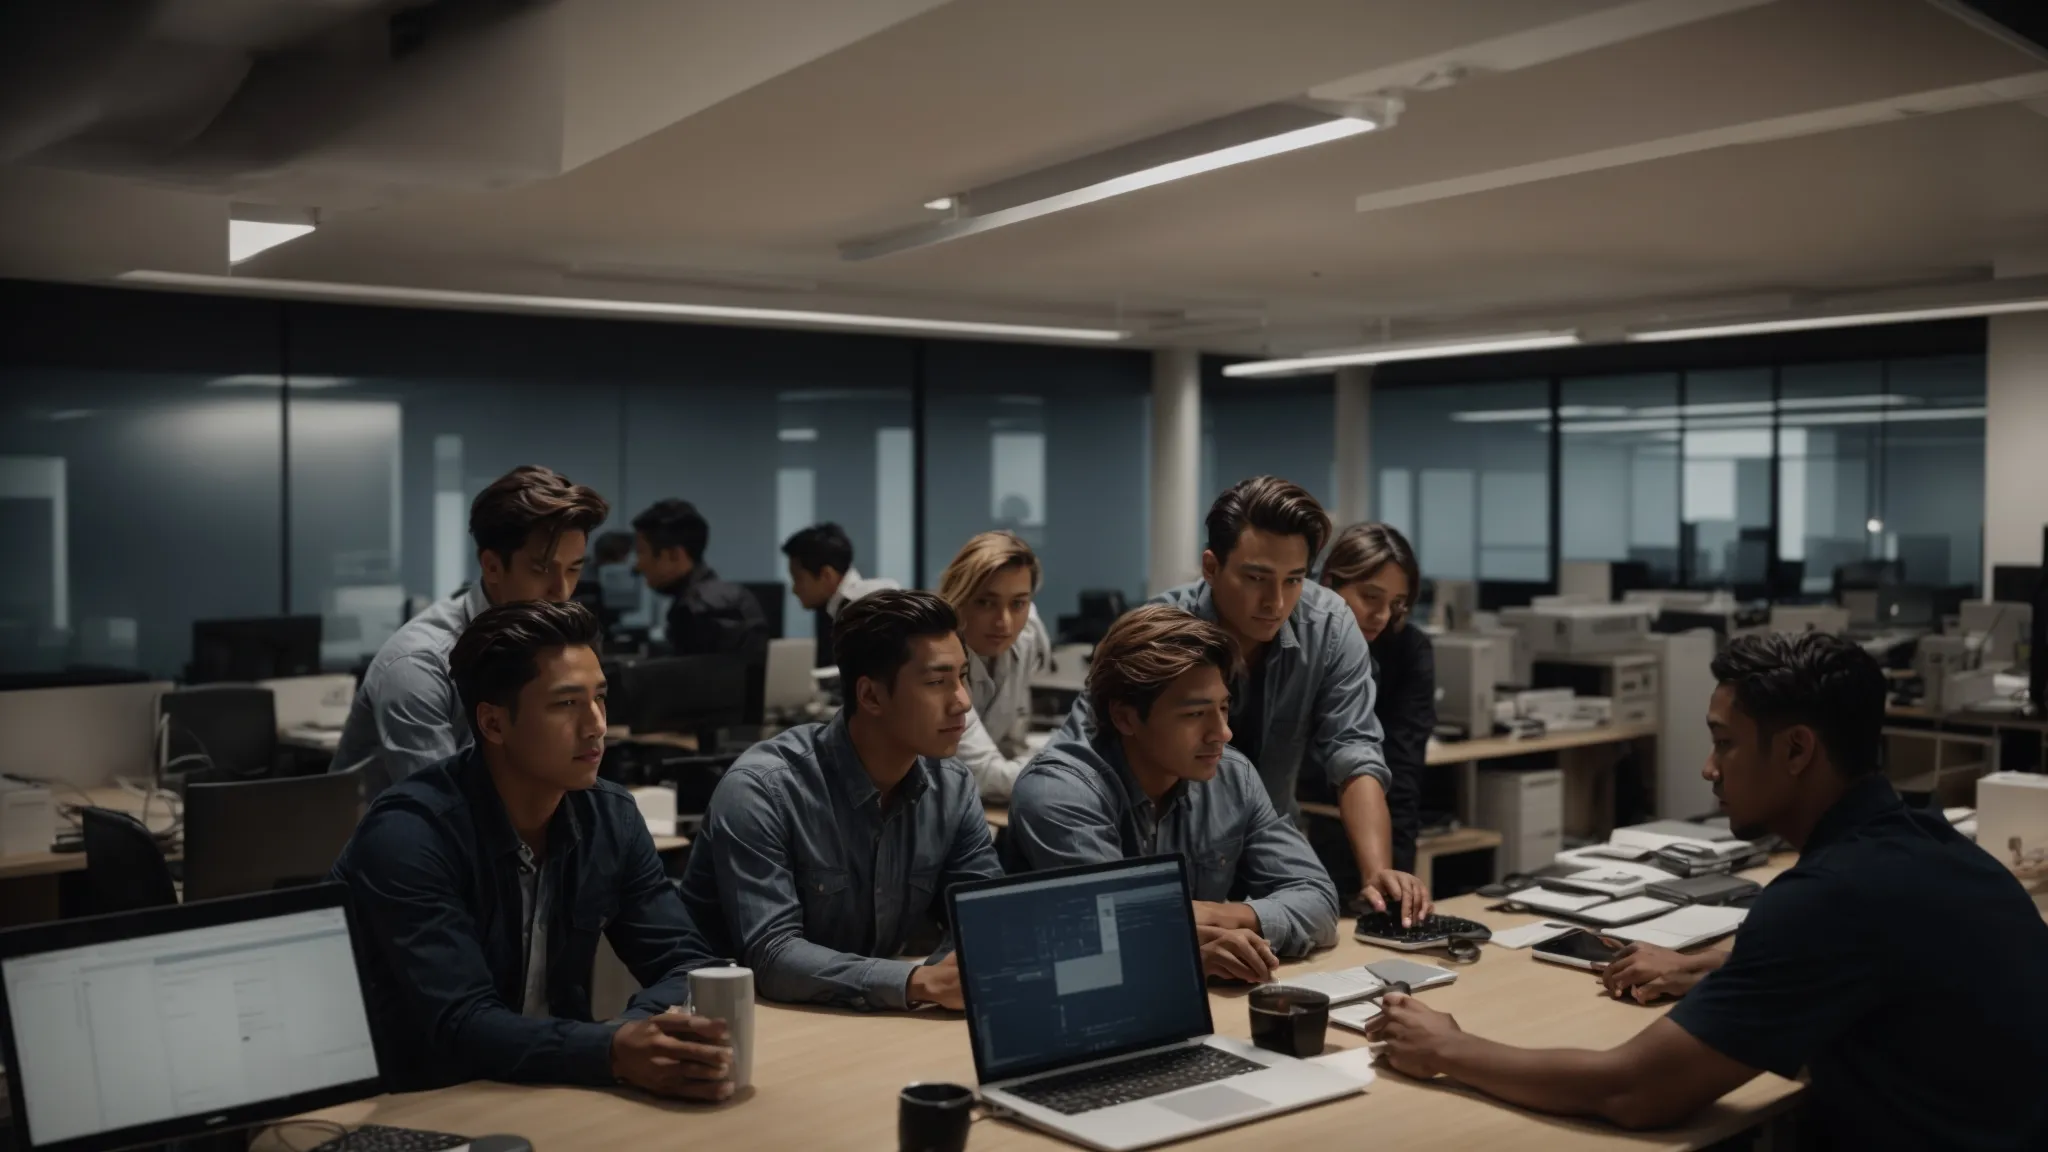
[1578, 949]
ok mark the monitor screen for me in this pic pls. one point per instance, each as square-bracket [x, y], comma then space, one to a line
[185, 1025]
[1079, 965]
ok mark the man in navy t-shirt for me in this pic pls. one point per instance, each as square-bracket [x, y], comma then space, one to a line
[1897, 964]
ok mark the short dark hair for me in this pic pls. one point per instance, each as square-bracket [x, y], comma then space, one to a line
[531, 499]
[872, 636]
[612, 547]
[1363, 549]
[1149, 648]
[674, 524]
[1269, 504]
[819, 547]
[499, 653]
[1822, 681]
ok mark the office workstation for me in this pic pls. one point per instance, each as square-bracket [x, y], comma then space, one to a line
[949, 568]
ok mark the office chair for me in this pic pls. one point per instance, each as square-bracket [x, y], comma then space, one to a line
[249, 836]
[218, 732]
[125, 869]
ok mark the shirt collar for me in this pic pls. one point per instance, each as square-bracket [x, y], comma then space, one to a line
[494, 827]
[1868, 797]
[1205, 607]
[851, 578]
[1110, 747]
[842, 764]
[474, 602]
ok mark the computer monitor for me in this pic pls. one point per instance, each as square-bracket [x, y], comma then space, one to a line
[1078, 963]
[256, 648]
[151, 1026]
[1864, 574]
[772, 595]
[2014, 583]
[679, 693]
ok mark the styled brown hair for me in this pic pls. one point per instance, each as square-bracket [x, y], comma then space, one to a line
[982, 557]
[872, 636]
[1364, 549]
[531, 499]
[1147, 649]
[499, 652]
[1269, 504]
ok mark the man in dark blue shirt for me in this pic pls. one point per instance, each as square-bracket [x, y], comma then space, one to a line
[1897, 964]
[482, 884]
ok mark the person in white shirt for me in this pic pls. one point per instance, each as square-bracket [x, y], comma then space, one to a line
[990, 584]
[822, 575]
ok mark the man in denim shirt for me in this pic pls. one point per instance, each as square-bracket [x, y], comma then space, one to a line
[481, 885]
[1155, 773]
[824, 848]
[1306, 697]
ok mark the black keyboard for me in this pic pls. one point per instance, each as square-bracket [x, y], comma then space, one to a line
[1140, 1078]
[1386, 926]
[377, 1138]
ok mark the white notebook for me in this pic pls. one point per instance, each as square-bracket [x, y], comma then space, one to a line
[1547, 900]
[1684, 928]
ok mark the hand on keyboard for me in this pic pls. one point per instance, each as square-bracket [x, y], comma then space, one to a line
[1391, 891]
[1236, 954]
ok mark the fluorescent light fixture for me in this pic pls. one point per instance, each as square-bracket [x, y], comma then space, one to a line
[797, 435]
[1239, 138]
[942, 204]
[620, 309]
[1413, 350]
[1843, 320]
[248, 237]
[1516, 415]
[72, 414]
[261, 380]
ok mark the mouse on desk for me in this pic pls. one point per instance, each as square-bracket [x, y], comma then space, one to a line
[500, 1144]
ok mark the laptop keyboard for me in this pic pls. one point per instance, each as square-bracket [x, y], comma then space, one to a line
[1140, 1078]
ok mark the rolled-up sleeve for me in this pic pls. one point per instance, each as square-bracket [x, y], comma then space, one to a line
[757, 892]
[1284, 882]
[1346, 741]
[1057, 819]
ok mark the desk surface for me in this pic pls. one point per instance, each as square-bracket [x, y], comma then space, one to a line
[1500, 747]
[160, 816]
[828, 1080]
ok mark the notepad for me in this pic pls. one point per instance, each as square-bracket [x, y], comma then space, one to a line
[1549, 901]
[1625, 911]
[1683, 928]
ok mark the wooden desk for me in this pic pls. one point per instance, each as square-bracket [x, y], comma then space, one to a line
[998, 815]
[828, 1080]
[22, 864]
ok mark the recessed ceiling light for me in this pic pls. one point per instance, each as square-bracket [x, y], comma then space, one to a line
[942, 204]
[797, 435]
[1874, 525]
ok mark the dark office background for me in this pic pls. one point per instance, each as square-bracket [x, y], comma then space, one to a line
[166, 458]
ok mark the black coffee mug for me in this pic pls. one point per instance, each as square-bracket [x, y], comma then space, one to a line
[934, 1117]
[1290, 1021]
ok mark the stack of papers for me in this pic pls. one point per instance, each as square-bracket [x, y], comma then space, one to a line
[1685, 928]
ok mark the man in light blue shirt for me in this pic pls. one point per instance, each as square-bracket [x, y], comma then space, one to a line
[827, 846]
[1155, 773]
[530, 527]
[1306, 697]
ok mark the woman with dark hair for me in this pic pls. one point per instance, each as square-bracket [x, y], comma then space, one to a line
[1372, 567]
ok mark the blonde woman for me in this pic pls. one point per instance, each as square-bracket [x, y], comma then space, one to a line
[990, 584]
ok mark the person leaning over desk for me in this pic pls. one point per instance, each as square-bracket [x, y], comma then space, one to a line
[481, 885]
[1372, 567]
[990, 584]
[530, 527]
[1307, 696]
[824, 848]
[1155, 773]
[1901, 966]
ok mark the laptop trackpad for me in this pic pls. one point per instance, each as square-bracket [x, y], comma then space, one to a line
[1213, 1103]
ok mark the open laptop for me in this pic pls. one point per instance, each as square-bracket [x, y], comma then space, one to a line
[146, 1027]
[1089, 1016]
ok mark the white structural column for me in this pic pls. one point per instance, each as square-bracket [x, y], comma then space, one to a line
[1176, 552]
[2015, 433]
[1354, 446]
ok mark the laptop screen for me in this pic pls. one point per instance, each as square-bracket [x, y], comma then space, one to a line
[182, 1025]
[1079, 965]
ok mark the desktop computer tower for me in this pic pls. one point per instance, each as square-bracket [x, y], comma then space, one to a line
[1527, 809]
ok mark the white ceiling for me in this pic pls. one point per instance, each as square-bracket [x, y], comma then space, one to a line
[1741, 161]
